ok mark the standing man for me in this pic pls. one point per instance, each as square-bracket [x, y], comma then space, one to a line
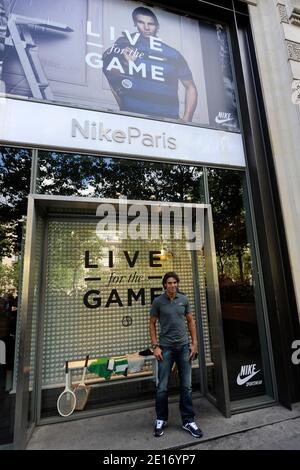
[172, 309]
[143, 72]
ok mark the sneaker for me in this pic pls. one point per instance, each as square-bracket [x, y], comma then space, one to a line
[193, 429]
[158, 427]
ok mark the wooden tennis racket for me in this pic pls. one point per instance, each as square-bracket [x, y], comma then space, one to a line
[66, 401]
[82, 390]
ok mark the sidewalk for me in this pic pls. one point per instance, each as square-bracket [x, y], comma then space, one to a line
[284, 435]
[268, 428]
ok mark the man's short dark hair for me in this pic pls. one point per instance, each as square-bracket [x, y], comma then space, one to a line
[144, 11]
[170, 274]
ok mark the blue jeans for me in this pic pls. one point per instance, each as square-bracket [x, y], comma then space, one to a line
[179, 355]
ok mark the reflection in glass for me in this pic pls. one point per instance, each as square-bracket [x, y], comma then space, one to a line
[83, 175]
[227, 192]
[15, 167]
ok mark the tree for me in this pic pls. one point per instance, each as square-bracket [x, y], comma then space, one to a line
[8, 276]
[227, 198]
[15, 166]
[68, 174]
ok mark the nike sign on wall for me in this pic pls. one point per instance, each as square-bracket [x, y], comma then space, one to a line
[242, 381]
[246, 373]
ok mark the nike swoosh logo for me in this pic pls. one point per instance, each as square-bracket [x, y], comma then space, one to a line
[240, 381]
[221, 121]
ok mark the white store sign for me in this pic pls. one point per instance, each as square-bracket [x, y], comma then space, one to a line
[44, 125]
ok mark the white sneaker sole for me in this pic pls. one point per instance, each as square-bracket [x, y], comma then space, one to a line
[194, 435]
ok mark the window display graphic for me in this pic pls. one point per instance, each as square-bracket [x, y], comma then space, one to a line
[98, 307]
[118, 56]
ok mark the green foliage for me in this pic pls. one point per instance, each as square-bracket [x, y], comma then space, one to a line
[15, 167]
[226, 189]
[67, 174]
[9, 277]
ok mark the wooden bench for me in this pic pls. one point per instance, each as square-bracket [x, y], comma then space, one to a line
[79, 364]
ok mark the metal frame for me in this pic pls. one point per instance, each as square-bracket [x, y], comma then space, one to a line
[22, 392]
[214, 304]
[199, 325]
[40, 327]
[37, 206]
[260, 300]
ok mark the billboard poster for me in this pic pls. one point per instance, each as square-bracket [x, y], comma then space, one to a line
[120, 56]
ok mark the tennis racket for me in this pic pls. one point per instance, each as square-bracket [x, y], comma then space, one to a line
[66, 401]
[82, 391]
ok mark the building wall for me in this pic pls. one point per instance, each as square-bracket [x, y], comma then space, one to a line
[276, 34]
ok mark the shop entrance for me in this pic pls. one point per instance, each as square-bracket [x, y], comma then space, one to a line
[89, 292]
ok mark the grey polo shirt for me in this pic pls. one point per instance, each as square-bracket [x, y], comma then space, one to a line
[172, 319]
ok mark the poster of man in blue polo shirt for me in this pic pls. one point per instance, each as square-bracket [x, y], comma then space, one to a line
[119, 56]
[144, 72]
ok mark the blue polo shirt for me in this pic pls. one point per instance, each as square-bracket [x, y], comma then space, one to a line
[172, 319]
[145, 95]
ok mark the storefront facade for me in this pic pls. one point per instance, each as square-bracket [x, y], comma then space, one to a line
[158, 120]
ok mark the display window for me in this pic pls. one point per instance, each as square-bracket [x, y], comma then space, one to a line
[96, 293]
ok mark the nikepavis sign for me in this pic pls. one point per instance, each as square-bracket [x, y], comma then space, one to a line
[119, 56]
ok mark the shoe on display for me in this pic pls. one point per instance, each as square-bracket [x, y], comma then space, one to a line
[193, 429]
[159, 425]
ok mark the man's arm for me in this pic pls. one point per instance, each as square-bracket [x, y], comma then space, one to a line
[192, 329]
[157, 351]
[191, 99]
[114, 76]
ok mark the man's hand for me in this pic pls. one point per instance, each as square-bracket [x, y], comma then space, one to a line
[194, 350]
[157, 352]
[192, 330]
